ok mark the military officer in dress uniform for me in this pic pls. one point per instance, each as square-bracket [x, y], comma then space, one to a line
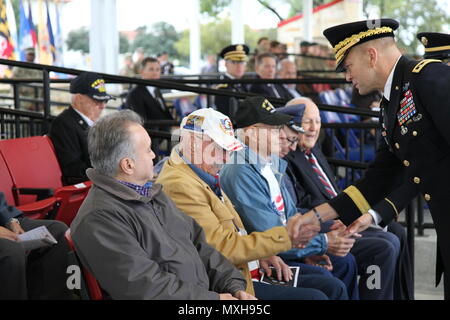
[437, 45]
[414, 154]
[235, 57]
[28, 91]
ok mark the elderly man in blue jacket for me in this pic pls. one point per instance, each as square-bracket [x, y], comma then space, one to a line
[252, 182]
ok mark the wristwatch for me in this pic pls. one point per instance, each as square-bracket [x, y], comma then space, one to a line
[11, 221]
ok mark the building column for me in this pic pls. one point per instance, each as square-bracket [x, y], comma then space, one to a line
[308, 19]
[195, 44]
[104, 37]
[237, 25]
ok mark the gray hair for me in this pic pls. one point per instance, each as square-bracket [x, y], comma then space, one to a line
[109, 141]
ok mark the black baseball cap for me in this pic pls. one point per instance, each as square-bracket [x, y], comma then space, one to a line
[90, 84]
[258, 110]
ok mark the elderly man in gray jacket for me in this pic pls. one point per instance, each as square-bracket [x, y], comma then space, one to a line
[129, 233]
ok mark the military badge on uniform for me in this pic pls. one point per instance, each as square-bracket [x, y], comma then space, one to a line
[417, 117]
[403, 130]
[424, 40]
[407, 108]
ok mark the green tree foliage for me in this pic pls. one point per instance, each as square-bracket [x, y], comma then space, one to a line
[160, 37]
[213, 7]
[78, 40]
[414, 16]
[216, 35]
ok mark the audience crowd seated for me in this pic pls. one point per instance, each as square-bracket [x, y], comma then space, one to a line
[314, 183]
[227, 208]
[191, 178]
[130, 234]
[252, 181]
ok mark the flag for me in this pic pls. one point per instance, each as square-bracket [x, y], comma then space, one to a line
[6, 43]
[12, 26]
[25, 37]
[50, 35]
[45, 55]
[58, 38]
[32, 26]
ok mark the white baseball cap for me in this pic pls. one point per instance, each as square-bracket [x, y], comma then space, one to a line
[215, 124]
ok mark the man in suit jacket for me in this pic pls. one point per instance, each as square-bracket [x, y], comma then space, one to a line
[68, 130]
[266, 68]
[314, 188]
[147, 101]
[288, 71]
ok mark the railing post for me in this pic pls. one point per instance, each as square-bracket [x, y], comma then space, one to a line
[16, 96]
[46, 87]
[17, 133]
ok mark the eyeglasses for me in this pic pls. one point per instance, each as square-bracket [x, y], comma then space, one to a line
[292, 141]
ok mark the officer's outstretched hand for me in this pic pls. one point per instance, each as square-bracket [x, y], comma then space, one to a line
[360, 224]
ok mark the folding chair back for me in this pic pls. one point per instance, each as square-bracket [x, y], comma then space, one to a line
[33, 164]
[93, 288]
[33, 210]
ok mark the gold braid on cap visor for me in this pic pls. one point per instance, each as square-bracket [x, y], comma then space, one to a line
[349, 42]
[433, 49]
[235, 55]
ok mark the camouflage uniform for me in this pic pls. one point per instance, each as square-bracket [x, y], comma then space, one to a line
[27, 91]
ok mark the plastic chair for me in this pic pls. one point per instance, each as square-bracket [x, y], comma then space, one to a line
[33, 165]
[183, 107]
[201, 102]
[34, 210]
[94, 290]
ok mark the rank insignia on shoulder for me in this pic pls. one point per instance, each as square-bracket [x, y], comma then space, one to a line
[422, 64]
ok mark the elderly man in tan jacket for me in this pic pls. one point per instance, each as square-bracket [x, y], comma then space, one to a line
[190, 177]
